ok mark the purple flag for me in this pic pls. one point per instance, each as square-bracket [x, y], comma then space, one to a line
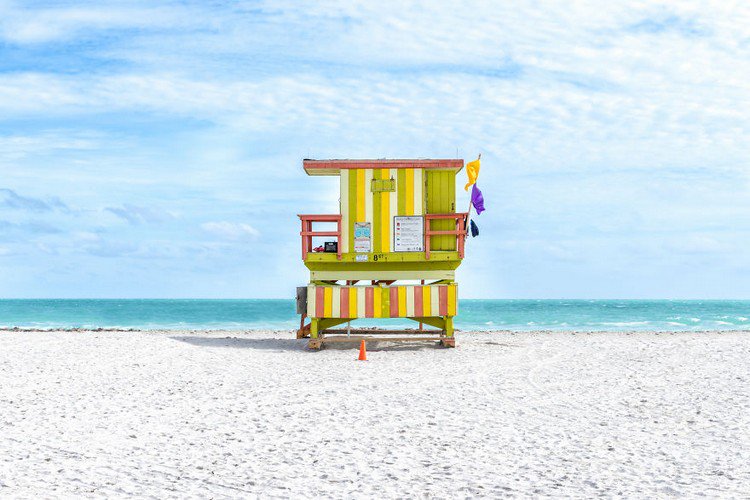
[477, 199]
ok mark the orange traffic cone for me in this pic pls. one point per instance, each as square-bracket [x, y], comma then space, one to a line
[362, 351]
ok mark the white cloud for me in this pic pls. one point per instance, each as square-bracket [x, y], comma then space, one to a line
[230, 230]
[140, 215]
[21, 25]
[608, 129]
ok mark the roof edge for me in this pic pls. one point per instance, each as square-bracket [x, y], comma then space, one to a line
[335, 165]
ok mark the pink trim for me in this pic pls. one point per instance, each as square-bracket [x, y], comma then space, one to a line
[418, 302]
[344, 313]
[459, 231]
[320, 298]
[394, 302]
[405, 163]
[369, 302]
[443, 291]
[307, 232]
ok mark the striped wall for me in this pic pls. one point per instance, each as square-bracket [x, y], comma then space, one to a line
[405, 301]
[360, 204]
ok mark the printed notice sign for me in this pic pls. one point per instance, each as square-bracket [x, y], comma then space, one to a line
[362, 237]
[408, 234]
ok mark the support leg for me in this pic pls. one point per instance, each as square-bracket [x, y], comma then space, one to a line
[315, 342]
[449, 326]
[304, 330]
[449, 340]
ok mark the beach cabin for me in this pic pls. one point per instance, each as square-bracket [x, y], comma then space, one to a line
[390, 252]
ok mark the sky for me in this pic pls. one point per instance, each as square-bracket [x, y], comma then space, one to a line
[154, 149]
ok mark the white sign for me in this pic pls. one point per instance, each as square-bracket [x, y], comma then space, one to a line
[362, 237]
[408, 234]
[361, 258]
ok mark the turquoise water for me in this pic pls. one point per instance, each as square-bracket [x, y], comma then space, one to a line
[473, 314]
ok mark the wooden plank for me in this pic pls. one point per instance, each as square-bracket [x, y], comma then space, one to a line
[363, 331]
[358, 338]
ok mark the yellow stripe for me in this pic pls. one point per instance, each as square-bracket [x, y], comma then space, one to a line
[426, 301]
[368, 201]
[376, 303]
[327, 301]
[385, 212]
[401, 302]
[361, 193]
[451, 300]
[352, 302]
[409, 191]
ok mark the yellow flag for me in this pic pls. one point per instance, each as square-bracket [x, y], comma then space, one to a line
[472, 172]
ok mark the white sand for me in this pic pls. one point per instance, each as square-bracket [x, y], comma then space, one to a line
[177, 414]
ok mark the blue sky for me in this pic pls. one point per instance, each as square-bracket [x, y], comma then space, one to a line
[153, 149]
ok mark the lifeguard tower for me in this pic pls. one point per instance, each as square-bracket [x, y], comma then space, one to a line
[390, 252]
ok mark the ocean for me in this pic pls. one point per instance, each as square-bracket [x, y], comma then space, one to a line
[590, 315]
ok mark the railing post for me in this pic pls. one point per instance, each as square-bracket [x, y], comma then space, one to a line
[427, 237]
[461, 236]
[338, 238]
[309, 237]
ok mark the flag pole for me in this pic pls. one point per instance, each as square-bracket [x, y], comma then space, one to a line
[468, 212]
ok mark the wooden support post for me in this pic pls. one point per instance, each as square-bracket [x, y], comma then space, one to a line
[449, 340]
[449, 326]
[421, 325]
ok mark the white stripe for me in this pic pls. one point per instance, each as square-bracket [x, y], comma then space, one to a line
[456, 285]
[310, 301]
[410, 301]
[434, 300]
[344, 204]
[393, 206]
[418, 184]
[368, 198]
[360, 301]
[336, 306]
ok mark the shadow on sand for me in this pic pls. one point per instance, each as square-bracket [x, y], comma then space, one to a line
[301, 344]
[244, 343]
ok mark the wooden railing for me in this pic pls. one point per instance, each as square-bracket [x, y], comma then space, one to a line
[459, 231]
[307, 232]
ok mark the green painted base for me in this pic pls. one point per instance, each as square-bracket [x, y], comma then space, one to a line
[383, 266]
[318, 326]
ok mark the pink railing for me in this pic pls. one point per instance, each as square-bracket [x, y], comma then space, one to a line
[459, 232]
[307, 232]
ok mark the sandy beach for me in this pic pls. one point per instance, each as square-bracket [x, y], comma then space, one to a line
[172, 414]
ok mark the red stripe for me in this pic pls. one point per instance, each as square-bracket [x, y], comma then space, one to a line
[344, 303]
[394, 302]
[418, 301]
[369, 302]
[319, 301]
[443, 291]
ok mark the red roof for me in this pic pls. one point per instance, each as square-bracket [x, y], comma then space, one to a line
[333, 167]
